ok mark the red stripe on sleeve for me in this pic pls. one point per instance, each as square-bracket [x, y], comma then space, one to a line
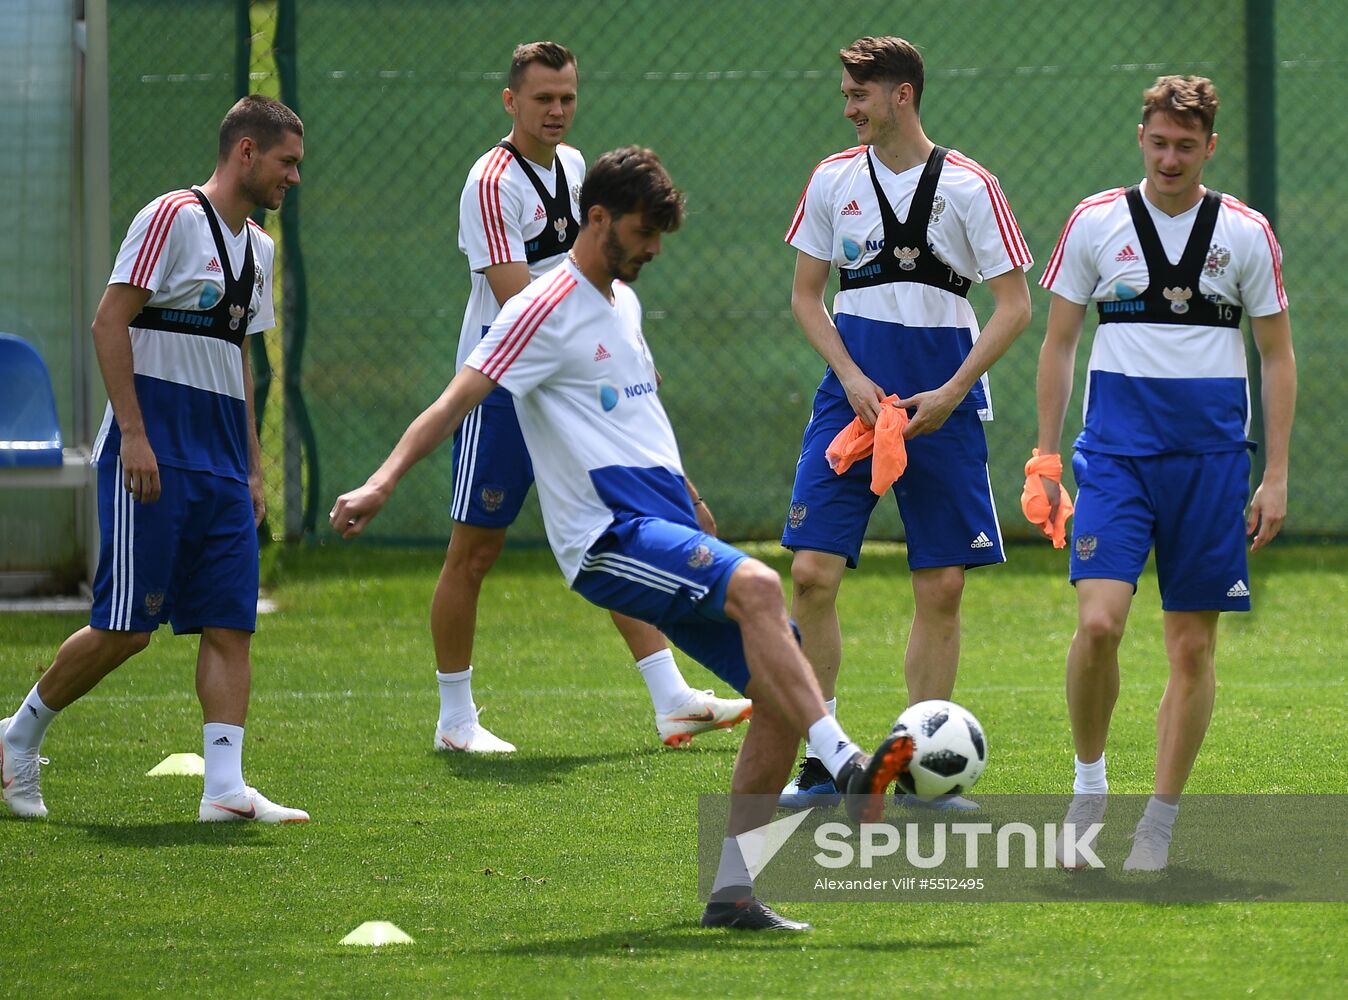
[1274, 251]
[1055, 259]
[489, 200]
[1016, 249]
[146, 245]
[157, 235]
[525, 326]
[796, 219]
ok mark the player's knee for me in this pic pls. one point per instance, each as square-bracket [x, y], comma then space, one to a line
[1100, 629]
[755, 590]
[1191, 656]
[939, 591]
[814, 581]
[473, 560]
[135, 642]
[123, 645]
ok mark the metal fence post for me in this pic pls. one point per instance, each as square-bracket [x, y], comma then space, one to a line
[1261, 72]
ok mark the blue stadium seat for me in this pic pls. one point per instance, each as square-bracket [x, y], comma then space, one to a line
[29, 432]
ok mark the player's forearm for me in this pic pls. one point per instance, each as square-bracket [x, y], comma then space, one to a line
[112, 346]
[1053, 391]
[817, 325]
[1057, 363]
[1007, 323]
[433, 426]
[1278, 397]
[249, 397]
[1010, 316]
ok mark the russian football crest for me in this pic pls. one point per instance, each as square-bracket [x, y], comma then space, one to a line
[235, 316]
[560, 226]
[492, 498]
[1178, 299]
[937, 207]
[1085, 546]
[796, 516]
[1217, 260]
[700, 557]
[154, 603]
[907, 257]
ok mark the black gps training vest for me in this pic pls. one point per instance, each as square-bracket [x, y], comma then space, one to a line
[559, 234]
[1172, 294]
[906, 255]
[228, 318]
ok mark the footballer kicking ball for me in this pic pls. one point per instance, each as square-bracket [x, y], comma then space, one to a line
[949, 749]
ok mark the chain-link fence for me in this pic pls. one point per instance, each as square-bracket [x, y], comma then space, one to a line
[740, 100]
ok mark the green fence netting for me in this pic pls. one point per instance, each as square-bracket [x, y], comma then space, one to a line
[741, 100]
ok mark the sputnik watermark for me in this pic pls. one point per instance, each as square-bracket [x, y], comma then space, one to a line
[1251, 848]
[925, 846]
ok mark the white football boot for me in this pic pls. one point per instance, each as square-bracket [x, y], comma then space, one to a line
[470, 737]
[1086, 809]
[19, 773]
[1151, 848]
[702, 712]
[249, 804]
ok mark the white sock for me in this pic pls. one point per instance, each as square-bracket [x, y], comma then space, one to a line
[832, 744]
[1090, 778]
[1161, 814]
[667, 687]
[832, 706]
[30, 723]
[223, 751]
[732, 872]
[456, 698]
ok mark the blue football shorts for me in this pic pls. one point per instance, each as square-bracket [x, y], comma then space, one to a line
[492, 470]
[944, 495]
[1190, 507]
[190, 558]
[674, 577]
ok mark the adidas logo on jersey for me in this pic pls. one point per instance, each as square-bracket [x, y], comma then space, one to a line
[601, 354]
[852, 208]
[539, 213]
[1127, 253]
[1238, 589]
[981, 542]
[213, 267]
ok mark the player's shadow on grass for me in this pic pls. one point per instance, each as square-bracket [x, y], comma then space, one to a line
[1176, 884]
[685, 936]
[534, 769]
[183, 833]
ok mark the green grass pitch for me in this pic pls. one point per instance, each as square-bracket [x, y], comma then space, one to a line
[570, 868]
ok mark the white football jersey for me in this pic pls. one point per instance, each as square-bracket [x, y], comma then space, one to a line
[500, 215]
[190, 388]
[585, 391]
[971, 230]
[1155, 388]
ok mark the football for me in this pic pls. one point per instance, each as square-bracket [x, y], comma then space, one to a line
[949, 750]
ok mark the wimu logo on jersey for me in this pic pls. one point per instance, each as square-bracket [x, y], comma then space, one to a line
[863, 272]
[187, 318]
[1123, 307]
